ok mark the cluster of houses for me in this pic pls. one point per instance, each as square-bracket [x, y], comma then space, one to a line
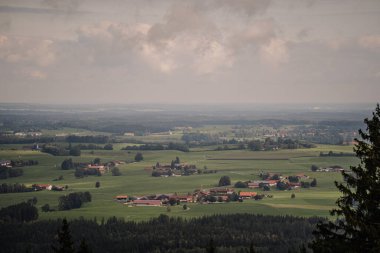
[174, 170]
[272, 179]
[101, 168]
[198, 196]
[49, 187]
[330, 169]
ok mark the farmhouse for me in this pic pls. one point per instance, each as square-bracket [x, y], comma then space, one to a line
[6, 163]
[260, 183]
[221, 191]
[39, 187]
[184, 198]
[247, 195]
[101, 168]
[140, 202]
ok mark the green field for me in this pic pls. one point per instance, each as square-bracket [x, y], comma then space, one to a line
[238, 164]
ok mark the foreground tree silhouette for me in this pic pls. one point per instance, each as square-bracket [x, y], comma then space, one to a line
[358, 226]
[64, 240]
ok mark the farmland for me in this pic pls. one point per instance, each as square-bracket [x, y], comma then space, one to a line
[237, 164]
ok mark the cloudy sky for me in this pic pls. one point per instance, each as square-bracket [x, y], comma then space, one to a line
[190, 52]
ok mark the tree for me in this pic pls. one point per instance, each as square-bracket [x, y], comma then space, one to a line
[177, 160]
[115, 171]
[314, 167]
[211, 247]
[240, 184]
[139, 157]
[67, 164]
[108, 146]
[282, 186]
[97, 160]
[224, 181]
[313, 183]
[357, 228]
[65, 241]
[97, 184]
[83, 247]
[45, 208]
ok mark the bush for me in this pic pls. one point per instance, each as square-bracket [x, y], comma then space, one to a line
[97, 184]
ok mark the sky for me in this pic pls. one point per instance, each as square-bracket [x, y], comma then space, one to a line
[189, 52]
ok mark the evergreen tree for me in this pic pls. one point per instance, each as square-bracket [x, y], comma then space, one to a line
[211, 247]
[64, 240]
[83, 247]
[251, 248]
[358, 226]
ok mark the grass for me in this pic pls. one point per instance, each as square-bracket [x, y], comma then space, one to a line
[239, 165]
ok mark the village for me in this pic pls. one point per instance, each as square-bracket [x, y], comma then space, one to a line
[225, 193]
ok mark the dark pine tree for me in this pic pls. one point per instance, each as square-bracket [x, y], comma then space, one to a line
[357, 228]
[211, 247]
[65, 242]
[83, 247]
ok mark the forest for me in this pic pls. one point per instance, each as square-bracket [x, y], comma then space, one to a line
[224, 233]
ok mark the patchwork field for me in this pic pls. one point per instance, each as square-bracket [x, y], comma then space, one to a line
[237, 164]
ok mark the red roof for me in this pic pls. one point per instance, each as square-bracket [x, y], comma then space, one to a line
[247, 194]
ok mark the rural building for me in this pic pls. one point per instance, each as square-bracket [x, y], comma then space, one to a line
[5, 163]
[258, 183]
[183, 199]
[39, 187]
[247, 195]
[101, 168]
[140, 202]
[221, 191]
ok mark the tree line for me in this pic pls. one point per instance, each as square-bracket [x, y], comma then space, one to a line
[170, 146]
[7, 172]
[22, 212]
[73, 200]
[14, 188]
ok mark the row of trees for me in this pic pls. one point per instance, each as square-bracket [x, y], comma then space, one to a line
[170, 146]
[6, 172]
[73, 200]
[22, 212]
[12, 188]
[22, 163]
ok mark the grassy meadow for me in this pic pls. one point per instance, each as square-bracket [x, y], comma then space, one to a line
[135, 180]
